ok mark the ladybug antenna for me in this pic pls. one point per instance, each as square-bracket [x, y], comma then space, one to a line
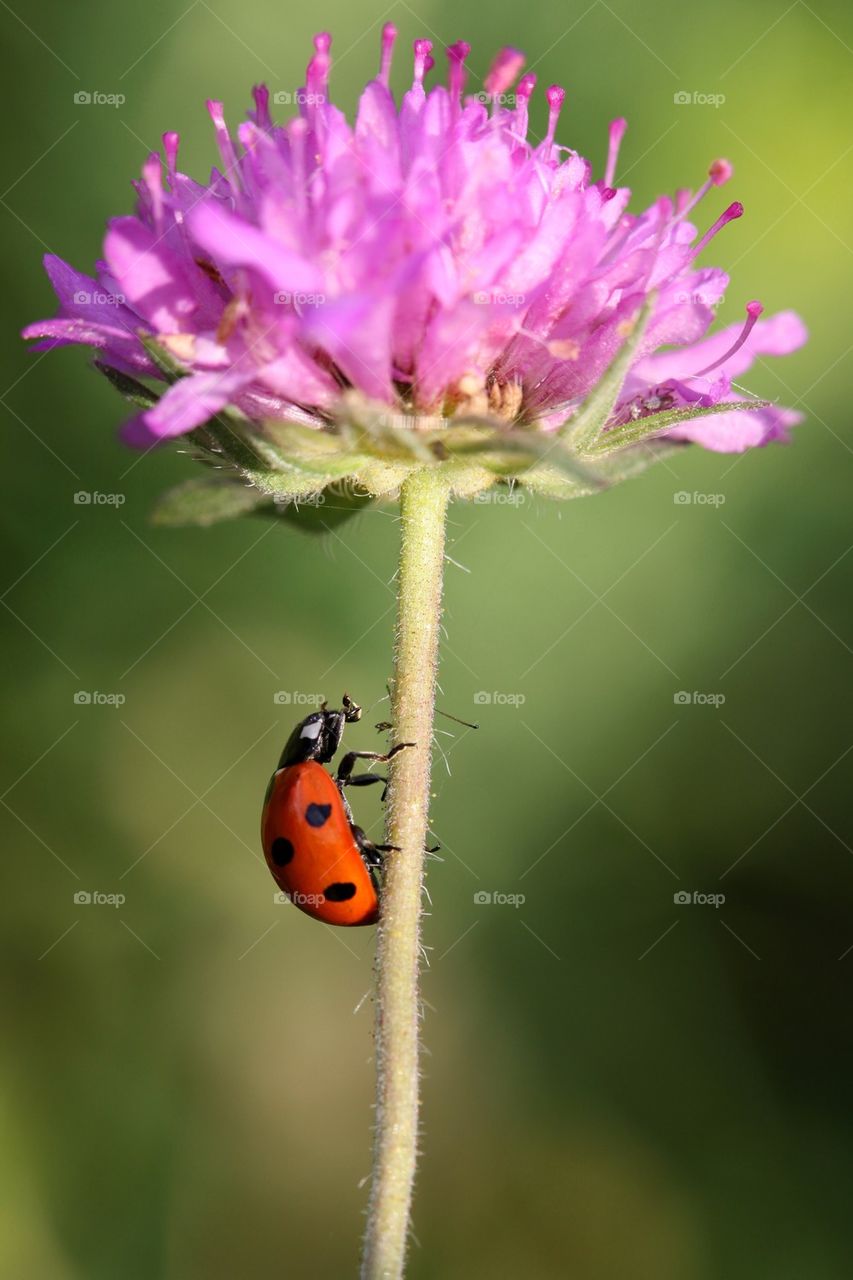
[466, 723]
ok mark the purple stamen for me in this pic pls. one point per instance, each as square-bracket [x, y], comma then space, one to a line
[456, 55]
[389, 36]
[523, 94]
[223, 140]
[734, 210]
[556, 97]
[753, 311]
[718, 175]
[152, 175]
[720, 172]
[423, 50]
[317, 73]
[261, 94]
[617, 133]
[171, 142]
[503, 71]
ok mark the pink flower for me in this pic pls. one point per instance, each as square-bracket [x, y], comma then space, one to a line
[429, 257]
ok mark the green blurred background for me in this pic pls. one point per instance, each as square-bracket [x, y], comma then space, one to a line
[617, 1086]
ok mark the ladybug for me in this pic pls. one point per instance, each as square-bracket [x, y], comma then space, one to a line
[318, 857]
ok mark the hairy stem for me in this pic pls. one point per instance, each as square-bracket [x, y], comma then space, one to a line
[423, 507]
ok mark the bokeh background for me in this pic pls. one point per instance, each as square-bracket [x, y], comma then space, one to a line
[617, 1085]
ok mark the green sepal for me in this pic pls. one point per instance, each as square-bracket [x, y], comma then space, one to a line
[514, 453]
[170, 368]
[296, 440]
[319, 517]
[612, 469]
[205, 500]
[136, 392]
[649, 427]
[387, 433]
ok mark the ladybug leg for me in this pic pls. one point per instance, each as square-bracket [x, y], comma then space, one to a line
[347, 764]
[346, 778]
[364, 780]
[372, 853]
[361, 780]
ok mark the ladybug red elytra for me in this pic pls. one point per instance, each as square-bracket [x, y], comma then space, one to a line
[317, 855]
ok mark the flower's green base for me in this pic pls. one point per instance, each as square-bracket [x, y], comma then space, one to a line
[370, 451]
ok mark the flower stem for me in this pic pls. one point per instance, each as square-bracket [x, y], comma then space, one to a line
[423, 508]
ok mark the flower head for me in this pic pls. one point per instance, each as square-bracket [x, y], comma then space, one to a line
[431, 266]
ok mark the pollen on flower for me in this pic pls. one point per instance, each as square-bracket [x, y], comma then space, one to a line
[471, 384]
[564, 349]
[181, 345]
[506, 400]
[720, 172]
[430, 258]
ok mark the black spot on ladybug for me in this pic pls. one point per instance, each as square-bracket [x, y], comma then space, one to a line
[316, 815]
[342, 891]
[281, 851]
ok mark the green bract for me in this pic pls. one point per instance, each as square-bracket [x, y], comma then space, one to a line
[316, 478]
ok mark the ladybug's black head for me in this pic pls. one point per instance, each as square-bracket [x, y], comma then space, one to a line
[318, 736]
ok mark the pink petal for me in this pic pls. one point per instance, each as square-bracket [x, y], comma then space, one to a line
[154, 279]
[233, 242]
[738, 431]
[299, 379]
[356, 333]
[188, 403]
[116, 343]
